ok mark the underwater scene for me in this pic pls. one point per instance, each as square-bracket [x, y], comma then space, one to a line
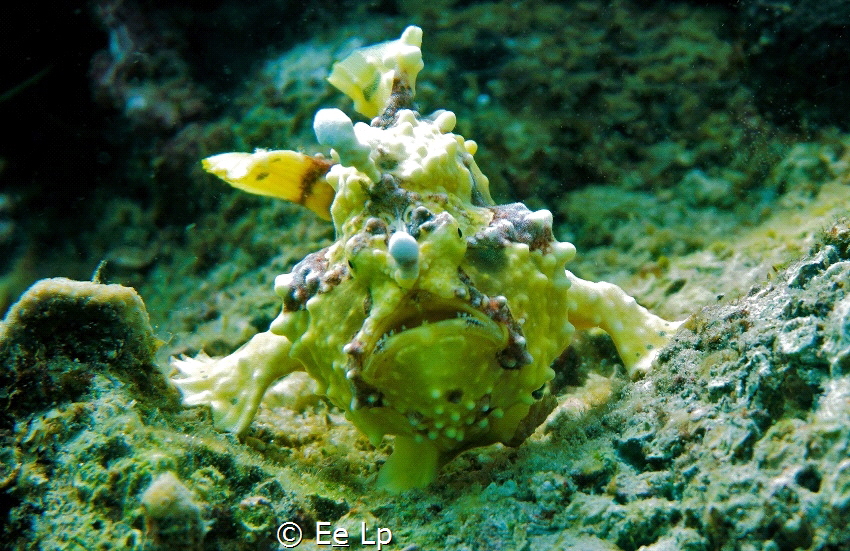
[456, 275]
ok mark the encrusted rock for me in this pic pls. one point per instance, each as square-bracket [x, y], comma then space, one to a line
[62, 333]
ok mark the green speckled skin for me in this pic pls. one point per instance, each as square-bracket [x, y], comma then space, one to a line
[429, 357]
[447, 367]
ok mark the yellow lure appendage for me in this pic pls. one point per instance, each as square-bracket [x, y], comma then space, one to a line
[286, 175]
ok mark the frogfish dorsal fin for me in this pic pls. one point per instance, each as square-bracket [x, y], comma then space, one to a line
[367, 74]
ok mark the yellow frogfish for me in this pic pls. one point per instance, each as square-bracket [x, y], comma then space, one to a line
[436, 314]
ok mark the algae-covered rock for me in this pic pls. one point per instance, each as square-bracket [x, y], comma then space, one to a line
[741, 434]
[63, 332]
[173, 517]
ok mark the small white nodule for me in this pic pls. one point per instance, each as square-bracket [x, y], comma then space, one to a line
[334, 128]
[405, 251]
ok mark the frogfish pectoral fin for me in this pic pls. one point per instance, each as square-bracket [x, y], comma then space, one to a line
[286, 175]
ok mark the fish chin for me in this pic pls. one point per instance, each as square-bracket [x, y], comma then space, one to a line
[436, 358]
